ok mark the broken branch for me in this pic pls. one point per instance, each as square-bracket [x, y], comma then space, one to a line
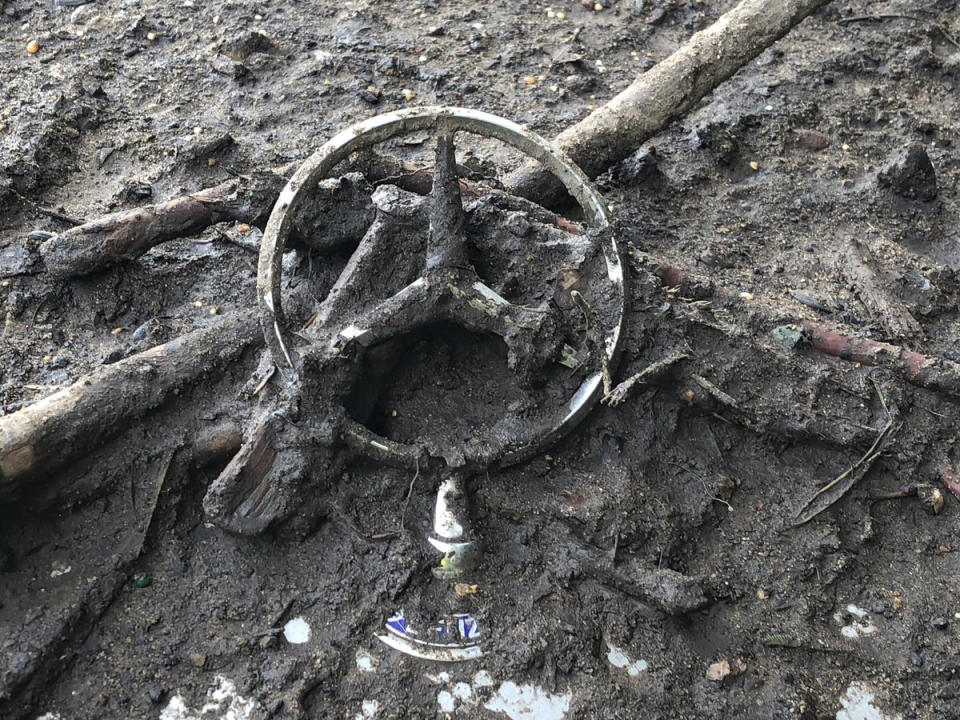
[65, 425]
[917, 369]
[667, 91]
[838, 487]
[128, 235]
[895, 319]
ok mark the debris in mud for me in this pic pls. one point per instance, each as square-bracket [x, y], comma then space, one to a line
[722, 669]
[297, 631]
[859, 703]
[519, 702]
[858, 622]
[222, 702]
[619, 659]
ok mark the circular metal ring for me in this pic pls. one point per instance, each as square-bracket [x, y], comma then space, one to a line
[380, 128]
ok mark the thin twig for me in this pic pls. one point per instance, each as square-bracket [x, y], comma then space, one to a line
[158, 489]
[876, 18]
[897, 16]
[57, 215]
[652, 372]
[947, 36]
[849, 477]
[406, 500]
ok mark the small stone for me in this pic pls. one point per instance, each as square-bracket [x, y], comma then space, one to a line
[910, 174]
[371, 95]
[408, 94]
[211, 162]
[151, 36]
[930, 497]
[597, 7]
[812, 139]
[32, 47]
[530, 80]
[155, 693]
[940, 623]
[754, 165]
[136, 190]
[464, 589]
[561, 15]
[198, 659]
[143, 580]
[787, 335]
[82, 14]
[268, 642]
[718, 671]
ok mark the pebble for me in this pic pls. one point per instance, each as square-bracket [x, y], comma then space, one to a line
[812, 139]
[930, 497]
[910, 174]
[198, 659]
[409, 95]
[370, 95]
[722, 669]
[82, 14]
[32, 47]
[940, 623]
[787, 335]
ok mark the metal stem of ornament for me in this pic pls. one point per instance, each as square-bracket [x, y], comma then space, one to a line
[452, 529]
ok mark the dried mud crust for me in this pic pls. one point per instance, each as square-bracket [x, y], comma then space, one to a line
[760, 191]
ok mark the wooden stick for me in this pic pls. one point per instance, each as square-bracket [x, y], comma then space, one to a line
[916, 368]
[667, 91]
[128, 235]
[67, 424]
[249, 199]
[895, 319]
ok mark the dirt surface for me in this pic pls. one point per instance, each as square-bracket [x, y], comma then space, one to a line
[836, 149]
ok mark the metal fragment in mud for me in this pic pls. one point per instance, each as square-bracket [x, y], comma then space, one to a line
[455, 638]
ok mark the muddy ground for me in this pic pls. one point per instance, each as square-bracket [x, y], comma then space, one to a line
[760, 191]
